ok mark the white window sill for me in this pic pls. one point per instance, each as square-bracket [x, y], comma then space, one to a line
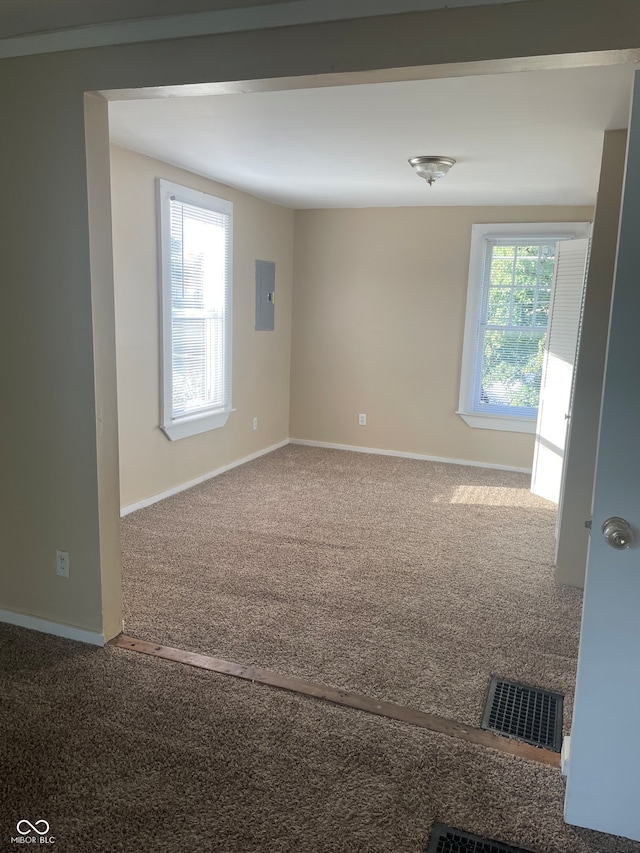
[196, 424]
[501, 422]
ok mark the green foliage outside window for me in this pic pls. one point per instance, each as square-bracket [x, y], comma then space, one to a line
[515, 324]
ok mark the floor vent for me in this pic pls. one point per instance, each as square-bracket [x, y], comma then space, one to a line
[524, 713]
[446, 839]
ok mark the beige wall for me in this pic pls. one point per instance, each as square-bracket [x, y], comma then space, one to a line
[378, 322]
[379, 319]
[49, 483]
[149, 462]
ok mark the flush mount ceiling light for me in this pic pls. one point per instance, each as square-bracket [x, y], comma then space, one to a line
[431, 168]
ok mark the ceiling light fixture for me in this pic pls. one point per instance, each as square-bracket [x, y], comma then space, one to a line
[431, 168]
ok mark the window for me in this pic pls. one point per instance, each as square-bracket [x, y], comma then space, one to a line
[195, 236]
[508, 303]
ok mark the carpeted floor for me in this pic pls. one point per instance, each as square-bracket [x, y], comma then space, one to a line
[123, 753]
[409, 581]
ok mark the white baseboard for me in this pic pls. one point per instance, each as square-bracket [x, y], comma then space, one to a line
[330, 445]
[404, 455]
[58, 629]
[565, 755]
[184, 486]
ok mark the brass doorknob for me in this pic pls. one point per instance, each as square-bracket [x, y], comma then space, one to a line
[617, 532]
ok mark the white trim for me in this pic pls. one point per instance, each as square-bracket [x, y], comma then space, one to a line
[303, 441]
[184, 486]
[196, 424]
[210, 419]
[45, 626]
[421, 456]
[479, 233]
[503, 422]
[565, 755]
[217, 21]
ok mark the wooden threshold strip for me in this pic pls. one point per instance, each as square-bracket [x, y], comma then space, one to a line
[432, 722]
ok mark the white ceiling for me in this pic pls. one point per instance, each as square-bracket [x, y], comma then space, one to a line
[520, 139]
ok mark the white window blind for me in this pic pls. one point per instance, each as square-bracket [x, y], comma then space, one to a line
[517, 276]
[196, 293]
[558, 368]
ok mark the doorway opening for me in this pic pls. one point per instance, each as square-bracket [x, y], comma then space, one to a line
[411, 580]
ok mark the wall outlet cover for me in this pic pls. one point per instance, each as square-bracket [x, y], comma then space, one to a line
[62, 564]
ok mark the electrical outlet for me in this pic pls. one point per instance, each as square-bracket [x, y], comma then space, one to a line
[362, 420]
[255, 423]
[62, 564]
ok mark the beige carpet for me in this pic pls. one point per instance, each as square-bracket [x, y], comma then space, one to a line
[123, 753]
[409, 581]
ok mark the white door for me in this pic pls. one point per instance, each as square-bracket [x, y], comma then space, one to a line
[603, 786]
[557, 368]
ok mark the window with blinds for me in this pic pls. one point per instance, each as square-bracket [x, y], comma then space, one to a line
[196, 310]
[512, 325]
[509, 304]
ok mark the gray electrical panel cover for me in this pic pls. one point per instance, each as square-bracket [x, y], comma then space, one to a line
[265, 295]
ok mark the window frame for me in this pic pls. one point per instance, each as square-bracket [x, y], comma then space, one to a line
[476, 296]
[211, 418]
